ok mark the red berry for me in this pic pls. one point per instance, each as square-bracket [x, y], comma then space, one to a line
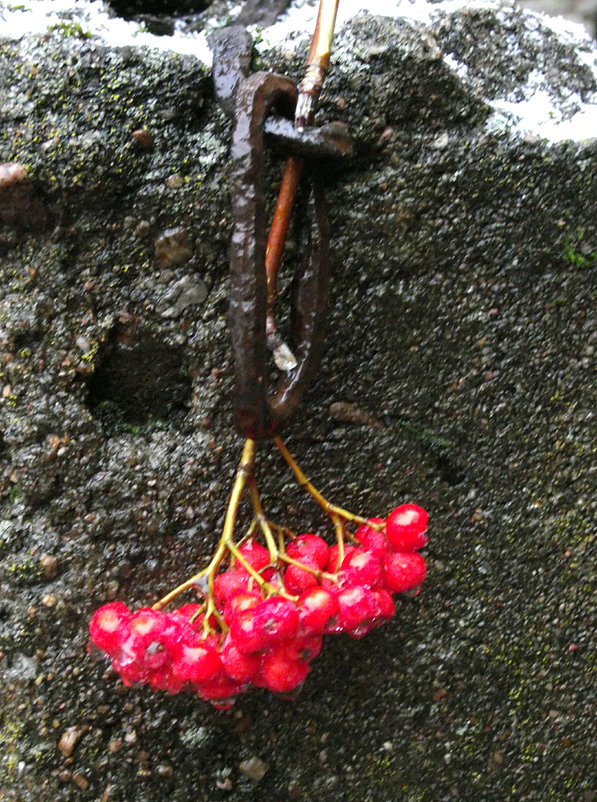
[306, 547]
[362, 629]
[220, 691]
[372, 540]
[153, 634]
[238, 603]
[238, 666]
[228, 583]
[247, 634]
[305, 647]
[358, 607]
[181, 619]
[255, 554]
[109, 627]
[334, 561]
[280, 673]
[385, 603]
[278, 617]
[130, 671]
[187, 611]
[403, 571]
[318, 611]
[163, 680]
[146, 624]
[270, 621]
[196, 664]
[297, 580]
[362, 568]
[405, 528]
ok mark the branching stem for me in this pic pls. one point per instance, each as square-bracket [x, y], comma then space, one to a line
[331, 509]
[244, 470]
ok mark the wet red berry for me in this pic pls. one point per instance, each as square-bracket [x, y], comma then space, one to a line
[255, 554]
[260, 627]
[280, 673]
[309, 547]
[187, 611]
[372, 540]
[239, 602]
[404, 571]
[385, 604]
[361, 568]
[221, 691]
[277, 617]
[297, 580]
[405, 528]
[228, 583]
[305, 647]
[357, 607]
[129, 670]
[318, 611]
[247, 634]
[109, 627]
[152, 636]
[196, 664]
[163, 679]
[238, 666]
[333, 563]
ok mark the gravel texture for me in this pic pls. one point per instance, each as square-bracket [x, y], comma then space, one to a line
[461, 325]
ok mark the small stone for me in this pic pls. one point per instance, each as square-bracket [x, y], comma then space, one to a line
[142, 229]
[80, 781]
[49, 565]
[12, 173]
[442, 141]
[115, 746]
[347, 412]
[254, 768]
[130, 737]
[107, 792]
[197, 737]
[19, 206]
[173, 247]
[49, 600]
[83, 344]
[69, 739]
[189, 291]
[143, 138]
[164, 770]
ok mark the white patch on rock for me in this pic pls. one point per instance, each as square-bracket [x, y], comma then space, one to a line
[36, 16]
[538, 113]
[535, 112]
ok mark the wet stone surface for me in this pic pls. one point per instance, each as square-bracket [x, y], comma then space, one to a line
[461, 327]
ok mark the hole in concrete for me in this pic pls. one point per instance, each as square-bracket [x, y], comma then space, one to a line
[139, 381]
[450, 470]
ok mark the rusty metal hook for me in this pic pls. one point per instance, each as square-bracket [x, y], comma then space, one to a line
[258, 412]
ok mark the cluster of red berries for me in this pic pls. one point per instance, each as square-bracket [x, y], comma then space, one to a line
[268, 642]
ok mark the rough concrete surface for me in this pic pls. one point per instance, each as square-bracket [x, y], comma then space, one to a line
[461, 319]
